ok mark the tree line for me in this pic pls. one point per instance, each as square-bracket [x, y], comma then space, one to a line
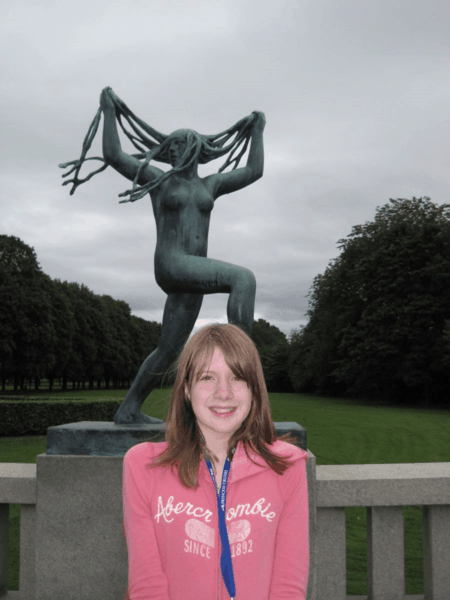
[378, 319]
[62, 332]
[55, 330]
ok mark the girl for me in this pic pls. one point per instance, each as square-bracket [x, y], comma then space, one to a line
[247, 536]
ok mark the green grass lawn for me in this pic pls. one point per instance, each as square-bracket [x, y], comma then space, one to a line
[338, 432]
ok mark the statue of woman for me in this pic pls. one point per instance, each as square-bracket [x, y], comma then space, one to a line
[182, 204]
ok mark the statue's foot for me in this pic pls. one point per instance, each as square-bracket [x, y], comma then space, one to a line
[126, 416]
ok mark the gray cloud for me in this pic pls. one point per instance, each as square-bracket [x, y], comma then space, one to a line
[356, 98]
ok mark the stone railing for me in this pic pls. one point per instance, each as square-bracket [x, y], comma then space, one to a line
[383, 489]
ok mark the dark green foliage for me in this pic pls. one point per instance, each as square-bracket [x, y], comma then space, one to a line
[27, 332]
[379, 315]
[273, 350]
[59, 330]
[446, 344]
[64, 324]
[276, 372]
[265, 335]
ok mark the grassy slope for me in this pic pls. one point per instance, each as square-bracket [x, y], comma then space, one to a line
[339, 432]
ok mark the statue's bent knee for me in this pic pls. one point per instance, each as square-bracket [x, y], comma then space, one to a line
[246, 280]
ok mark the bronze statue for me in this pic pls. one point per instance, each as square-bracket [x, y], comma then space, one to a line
[182, 204]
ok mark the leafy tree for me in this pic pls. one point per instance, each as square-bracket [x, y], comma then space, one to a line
[265, 335]
[272, 346]
[64, 325]
[16, 258]
[144, 339]
[379, 314]
[276, 370]
[18, 263]
[84, 347]
[63, 330]
[25, 313]
[119, 315]
[446, 341]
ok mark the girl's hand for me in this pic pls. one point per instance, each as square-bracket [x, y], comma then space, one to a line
[106, 102]
[260, 121]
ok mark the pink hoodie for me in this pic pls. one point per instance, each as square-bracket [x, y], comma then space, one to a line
[173, 536]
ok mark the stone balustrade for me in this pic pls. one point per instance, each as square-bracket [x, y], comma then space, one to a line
[382, 488]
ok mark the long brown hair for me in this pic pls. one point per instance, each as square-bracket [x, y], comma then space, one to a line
[186, 445]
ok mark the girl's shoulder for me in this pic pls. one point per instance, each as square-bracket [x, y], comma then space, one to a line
[145, 451]
[287, 450]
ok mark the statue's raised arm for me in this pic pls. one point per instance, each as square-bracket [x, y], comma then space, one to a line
[123, 163]
[182, 203]
[226, 183]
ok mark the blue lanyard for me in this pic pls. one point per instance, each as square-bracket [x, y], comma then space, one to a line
[225, 558]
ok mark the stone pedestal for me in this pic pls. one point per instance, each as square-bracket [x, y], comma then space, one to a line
[81, 553]
[102, 438]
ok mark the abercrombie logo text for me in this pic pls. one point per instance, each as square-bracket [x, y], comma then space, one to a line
[258, 508]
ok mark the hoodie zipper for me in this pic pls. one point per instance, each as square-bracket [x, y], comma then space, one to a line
[220, 551]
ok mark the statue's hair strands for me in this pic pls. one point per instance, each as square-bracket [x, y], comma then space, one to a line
[203, 148]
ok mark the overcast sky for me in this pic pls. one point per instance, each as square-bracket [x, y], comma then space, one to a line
[357, 101]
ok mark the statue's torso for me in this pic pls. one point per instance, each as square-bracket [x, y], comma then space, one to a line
[187, 196]
[182, 211]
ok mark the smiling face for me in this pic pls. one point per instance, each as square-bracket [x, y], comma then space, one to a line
[219, 388]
